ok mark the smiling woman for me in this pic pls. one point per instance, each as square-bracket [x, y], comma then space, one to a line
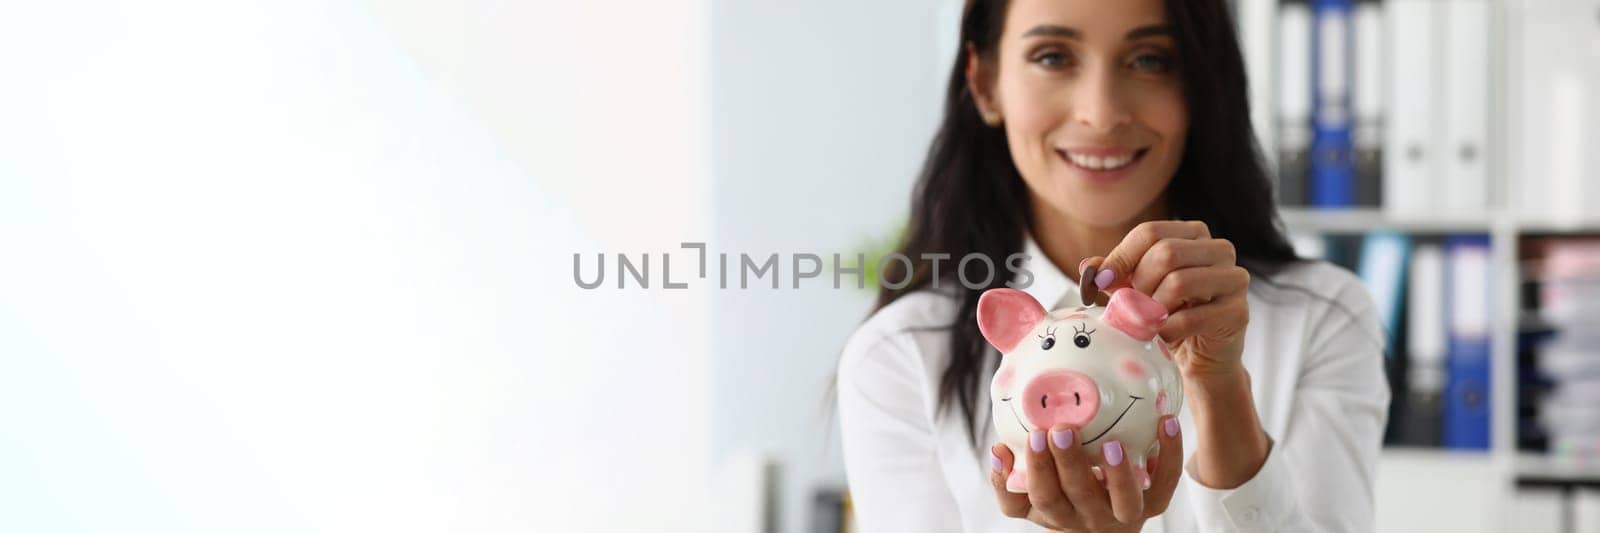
[1110, 137]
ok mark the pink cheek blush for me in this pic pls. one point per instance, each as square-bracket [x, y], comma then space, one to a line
[1002, 379]
[1132, 369]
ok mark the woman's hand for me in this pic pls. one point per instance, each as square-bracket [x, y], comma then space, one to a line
[1064, 494]
[1195, 276]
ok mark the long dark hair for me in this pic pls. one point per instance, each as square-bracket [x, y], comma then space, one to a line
[970, 199]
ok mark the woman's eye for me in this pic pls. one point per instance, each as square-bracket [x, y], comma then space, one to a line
[1049, 342]
[1152, 63]
[1082, 340]
[1051, 59]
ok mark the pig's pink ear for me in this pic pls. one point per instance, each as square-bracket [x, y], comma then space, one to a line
[1005, 316]
[1135, 314]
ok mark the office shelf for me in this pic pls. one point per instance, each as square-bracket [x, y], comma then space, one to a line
[1544, 469]
[1365, 219]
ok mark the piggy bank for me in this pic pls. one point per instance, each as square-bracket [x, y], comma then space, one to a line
[1103, 370]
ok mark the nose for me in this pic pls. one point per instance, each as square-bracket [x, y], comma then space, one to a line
[1060, 397]
[1096, 103]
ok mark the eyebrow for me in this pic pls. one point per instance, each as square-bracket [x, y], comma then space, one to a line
[1053, 30]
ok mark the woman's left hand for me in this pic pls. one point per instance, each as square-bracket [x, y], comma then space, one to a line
[1194, 275]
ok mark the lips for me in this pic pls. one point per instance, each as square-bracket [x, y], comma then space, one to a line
[1101, 159]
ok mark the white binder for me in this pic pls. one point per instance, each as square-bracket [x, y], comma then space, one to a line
[1410, 165]
[1293, 98]
[1366, 98]
[1257, 21]
[1466, 111]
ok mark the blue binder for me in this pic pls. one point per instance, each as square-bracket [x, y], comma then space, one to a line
[1333, 172]
[1385, 256]
[1467, 394]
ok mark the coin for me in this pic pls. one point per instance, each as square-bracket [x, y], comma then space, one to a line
[1086, 287]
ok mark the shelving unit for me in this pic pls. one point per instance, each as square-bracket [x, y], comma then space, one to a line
[1489, 481]
[1479, 489]
[1506, 231]
[1411, 470]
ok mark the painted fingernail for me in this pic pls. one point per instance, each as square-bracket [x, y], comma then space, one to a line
[1104, 279]
[1171, 426]
[1062, 438]
[995, 460]
[1113, 451]
[1036, 441]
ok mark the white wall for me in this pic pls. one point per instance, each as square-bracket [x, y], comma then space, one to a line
[305, 266]
[822, 114]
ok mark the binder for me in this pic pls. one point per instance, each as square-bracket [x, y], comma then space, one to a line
[1367, 100]
[1465, 57]
[1332, 165]
[1410, 170]
[1293, 99]
[1257, 25]
[1466, 409]
[1426, 345]
[1383, 272]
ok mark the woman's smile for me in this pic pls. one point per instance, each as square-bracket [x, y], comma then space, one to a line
[1102, 164]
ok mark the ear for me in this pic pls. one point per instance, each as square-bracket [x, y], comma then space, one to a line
[980, 82]
[1135, 314]
[1005, 316]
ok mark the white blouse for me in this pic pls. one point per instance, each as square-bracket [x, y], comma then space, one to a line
[1314, 350]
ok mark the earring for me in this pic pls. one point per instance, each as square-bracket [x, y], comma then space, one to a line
[991, 118]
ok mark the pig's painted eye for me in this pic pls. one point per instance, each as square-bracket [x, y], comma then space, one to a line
[1081, 336]
[1049, 339]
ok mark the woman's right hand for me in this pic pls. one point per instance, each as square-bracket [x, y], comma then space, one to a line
[1063, 493]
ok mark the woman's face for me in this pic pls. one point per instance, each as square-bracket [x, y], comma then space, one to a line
[1092, 105]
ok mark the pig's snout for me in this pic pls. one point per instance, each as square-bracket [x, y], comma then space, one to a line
[1060, 397]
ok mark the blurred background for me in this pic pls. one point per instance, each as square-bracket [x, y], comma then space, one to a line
[321, 265]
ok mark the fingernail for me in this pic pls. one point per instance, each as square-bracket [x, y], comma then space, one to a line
[1036, 441]
[1113, 451]
[1104, 279]
[995, 460]
[1098, 473]
[1062, 438]
[1171, 426]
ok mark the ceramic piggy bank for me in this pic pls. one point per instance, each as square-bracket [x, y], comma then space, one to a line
[1102, 370]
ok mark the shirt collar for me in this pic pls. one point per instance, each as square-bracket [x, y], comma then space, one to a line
[1051, 287]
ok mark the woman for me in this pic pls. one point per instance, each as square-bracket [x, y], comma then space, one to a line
[1115, 135]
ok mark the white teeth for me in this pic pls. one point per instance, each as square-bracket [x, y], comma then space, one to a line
[1100, 163]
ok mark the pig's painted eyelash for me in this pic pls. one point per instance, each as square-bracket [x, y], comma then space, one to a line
[1049, 339]
[1080, 335]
